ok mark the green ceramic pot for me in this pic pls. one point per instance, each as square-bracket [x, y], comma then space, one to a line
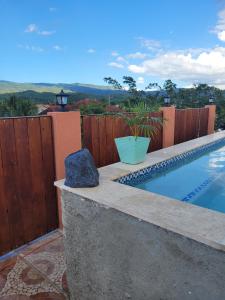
[132, 150]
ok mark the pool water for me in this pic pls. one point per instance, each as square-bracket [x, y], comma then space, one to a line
[200, 182]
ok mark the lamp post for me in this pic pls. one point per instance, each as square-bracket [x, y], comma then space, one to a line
[211, 101]
[62, 99]
[167, 100]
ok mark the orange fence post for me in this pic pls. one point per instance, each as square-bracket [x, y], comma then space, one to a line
[211, 118]
[168, 126]
[67, 139]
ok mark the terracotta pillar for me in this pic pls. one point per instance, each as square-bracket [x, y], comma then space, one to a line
[67, 139]
[168, 126]
[211, 118]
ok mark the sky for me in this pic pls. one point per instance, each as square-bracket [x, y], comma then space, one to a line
[86, 40]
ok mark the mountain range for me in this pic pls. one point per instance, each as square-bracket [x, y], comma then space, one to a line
[9, 87]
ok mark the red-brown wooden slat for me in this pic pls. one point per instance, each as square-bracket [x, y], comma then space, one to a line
[9, 162]
[116, 134]
[180, 126]
[95, 139]
[110, 144]
[195, 123]
[156, 139]
[28, 207]
[87, 139]
[23, 178]
[102, 141]
[189, 124]
[6, 243]
[49, 175]
[203, 123]
[37, 176]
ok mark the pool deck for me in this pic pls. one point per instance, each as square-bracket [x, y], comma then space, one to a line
[36, 270]
[197, 223]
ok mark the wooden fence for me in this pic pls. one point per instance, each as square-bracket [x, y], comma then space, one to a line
[190, 124]
[99, 132]
[28, 207]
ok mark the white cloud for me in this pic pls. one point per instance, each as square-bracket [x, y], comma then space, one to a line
[116, 65]
[150, 44]
[115, 53]
[57, 48]
[46, 32]
[137, 55]
[121, 59]
[31, 28]
[219, 29]
[31, 48]
[194, 66]
[140, 80]
[91, 50]
[221, 35]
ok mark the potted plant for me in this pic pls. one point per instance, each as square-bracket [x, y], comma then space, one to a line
[133, 149]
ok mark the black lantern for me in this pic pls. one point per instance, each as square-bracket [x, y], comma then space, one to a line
[62, 99]
[167, 100]
[211, 100]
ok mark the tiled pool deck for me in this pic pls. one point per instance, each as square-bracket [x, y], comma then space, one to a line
[35, 271]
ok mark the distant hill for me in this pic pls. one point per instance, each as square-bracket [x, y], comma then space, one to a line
[9, 87]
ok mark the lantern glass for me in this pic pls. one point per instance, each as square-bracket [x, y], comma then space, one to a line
[211, 100]
[167, 100]
[58, 98]
[62, 98]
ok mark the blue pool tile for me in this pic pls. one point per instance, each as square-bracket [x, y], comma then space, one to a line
[150, 172]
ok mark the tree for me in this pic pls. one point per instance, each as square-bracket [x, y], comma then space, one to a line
[170, 89]
[130, 86]
[92, 108]
[17, 107]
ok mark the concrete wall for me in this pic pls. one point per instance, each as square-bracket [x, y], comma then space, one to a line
[67, 139]
[168, 126]
[112, 255]
[211, 118]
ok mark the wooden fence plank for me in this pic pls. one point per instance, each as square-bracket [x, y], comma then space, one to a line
[203, 124]
[192, 120]
[23, 178]
[9, 160]
[86, 132]
[95, 139]
[110, 144]
[190, 124]
[156, 140]
[102, 141]
[49, 174]
[28, 204]
[37, 173]
[180, 126]
[5, 234]
[117, 133]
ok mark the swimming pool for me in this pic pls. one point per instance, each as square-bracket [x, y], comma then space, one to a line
[196, 177]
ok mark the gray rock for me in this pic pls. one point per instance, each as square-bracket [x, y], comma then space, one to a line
[81, 170]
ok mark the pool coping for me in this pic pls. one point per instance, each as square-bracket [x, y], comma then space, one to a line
[200, 224]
